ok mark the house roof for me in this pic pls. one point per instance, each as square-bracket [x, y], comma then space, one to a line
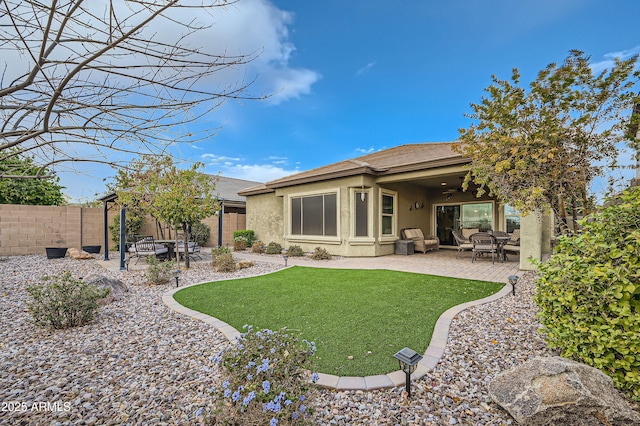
[226, 189]
[403, 158]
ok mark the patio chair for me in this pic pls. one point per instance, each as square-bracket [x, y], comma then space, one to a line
[468, 232]
[148, 247]
[515, 238]
[192, 249]
[462, 243]
[483, 243]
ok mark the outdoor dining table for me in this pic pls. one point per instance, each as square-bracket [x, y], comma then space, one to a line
[500, 243]
[171, 245]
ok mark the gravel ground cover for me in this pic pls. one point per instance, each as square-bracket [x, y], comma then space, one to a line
[141, 363]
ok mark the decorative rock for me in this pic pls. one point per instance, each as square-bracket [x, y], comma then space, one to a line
[118, 288]
[244, 264]
[558, 391]
[78, 254]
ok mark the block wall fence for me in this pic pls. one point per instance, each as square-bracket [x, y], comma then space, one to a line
[29, 229]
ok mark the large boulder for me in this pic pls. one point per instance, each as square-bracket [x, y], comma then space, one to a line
[118, 288]
[558, 391]
[78, 254]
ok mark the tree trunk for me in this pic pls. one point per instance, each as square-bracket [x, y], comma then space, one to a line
[187, 237]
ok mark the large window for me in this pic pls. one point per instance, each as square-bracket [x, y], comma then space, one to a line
[314, 215]
[388, 215]
[477, 215]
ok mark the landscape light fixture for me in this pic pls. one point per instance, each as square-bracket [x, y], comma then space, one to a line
[285, 256]
[513, 279]
[408, 359]
[176, 275]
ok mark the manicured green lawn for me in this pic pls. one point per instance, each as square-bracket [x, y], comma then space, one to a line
[367, 314]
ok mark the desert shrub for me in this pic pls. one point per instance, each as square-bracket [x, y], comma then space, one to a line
[217, 251]
[257, 247]
[200, 233]
[320, 254]
[248, 235]
[589, 293]
[63, 302]
[159, 272]
[240, 243]
[225, 263]
[295, 251]
[273, 248]
[267, 380]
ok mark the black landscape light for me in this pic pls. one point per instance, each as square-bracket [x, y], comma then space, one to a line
[285, 256]
[513, 279]
[408, 359]
[176, 275]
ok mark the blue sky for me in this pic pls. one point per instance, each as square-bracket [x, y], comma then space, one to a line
[353, 77]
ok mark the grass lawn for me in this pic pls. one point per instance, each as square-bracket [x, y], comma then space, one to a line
[367, 314]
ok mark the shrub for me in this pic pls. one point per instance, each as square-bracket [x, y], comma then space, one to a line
[135, 221]
[267, 380]
[200, 233]
[63, 302]
[159, 272]
[225, 263]
[273, 248]
[320, 254]
[257, 247]
[589, 293]
[217, 251]
[295, 251]
[248, 235]
[239, 244]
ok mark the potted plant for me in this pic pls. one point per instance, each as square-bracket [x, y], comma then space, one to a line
[92, 249]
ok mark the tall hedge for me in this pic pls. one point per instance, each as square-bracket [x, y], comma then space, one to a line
[589, 293]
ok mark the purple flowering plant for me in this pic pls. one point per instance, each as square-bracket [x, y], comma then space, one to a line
[267, 379]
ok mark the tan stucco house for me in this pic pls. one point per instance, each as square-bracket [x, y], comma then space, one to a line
[359, 207]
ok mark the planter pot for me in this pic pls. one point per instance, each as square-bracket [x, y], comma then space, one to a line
[56, 252]
[92, 249]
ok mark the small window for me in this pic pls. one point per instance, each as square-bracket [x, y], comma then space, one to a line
[387, 220]
[362, 214]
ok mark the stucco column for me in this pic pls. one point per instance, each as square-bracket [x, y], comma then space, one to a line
[531, 234]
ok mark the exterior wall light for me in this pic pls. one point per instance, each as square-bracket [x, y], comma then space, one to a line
[408, 359]
[513, 279]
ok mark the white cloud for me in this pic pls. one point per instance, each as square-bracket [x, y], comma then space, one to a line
[609, 61]
[212, 159]
[256, 172]
[365, 68]
[365, 150]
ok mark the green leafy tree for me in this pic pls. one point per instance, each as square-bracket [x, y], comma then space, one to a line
[43, 192]
[539, 149]
[180, 197]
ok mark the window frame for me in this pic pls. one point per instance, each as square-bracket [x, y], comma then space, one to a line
[394, 216]
[313, 238]
[354, 198]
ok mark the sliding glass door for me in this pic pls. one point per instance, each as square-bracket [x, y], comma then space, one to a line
[454, 217]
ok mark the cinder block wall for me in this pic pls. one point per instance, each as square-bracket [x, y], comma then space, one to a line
[30, 229]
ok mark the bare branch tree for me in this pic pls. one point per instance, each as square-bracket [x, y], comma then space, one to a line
[97, 81]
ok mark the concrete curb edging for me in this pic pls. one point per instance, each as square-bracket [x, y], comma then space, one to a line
[430, 359]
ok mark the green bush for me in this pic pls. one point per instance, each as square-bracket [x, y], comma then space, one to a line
[295, 251]
[257, 247]
[589, 293]
[248, 235]
[159, 272]
[239, 244]
[200, 233]
[135, 221]
[217, 251]
[273, 248]
[63, 302]
[225, 263]
[267, 380]
[320, 254]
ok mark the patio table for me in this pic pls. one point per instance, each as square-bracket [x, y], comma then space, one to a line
[171, 244]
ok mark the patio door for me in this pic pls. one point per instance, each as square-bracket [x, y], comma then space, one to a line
[453, 217]
[447, 220]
